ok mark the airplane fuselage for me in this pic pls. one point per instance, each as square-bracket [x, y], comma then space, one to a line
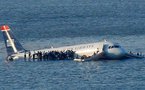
[86, 49]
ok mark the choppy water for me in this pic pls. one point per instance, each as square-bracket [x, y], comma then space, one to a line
[45, 23]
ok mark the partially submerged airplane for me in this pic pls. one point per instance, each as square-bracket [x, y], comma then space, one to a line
[95, 51]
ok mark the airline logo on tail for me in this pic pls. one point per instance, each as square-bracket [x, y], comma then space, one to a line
[4, 28]
[11, 43]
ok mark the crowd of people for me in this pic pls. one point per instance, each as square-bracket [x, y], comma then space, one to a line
[50, 55]
[138, 54]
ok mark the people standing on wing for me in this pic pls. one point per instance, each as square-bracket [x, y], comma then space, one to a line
[34, 56]
[25, 56]
[29, 55]
[51, 55]
[130, 52]
[137, 54]
[97, 50]
[37, 55]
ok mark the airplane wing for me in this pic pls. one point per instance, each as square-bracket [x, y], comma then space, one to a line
[131, 55]
[99, 56]
[95, 57]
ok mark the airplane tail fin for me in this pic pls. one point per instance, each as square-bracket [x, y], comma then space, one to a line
[12, 44]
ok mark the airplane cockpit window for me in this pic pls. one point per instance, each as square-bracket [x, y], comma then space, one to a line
[115, 46]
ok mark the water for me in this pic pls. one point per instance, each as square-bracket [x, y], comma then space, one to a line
[41, 24]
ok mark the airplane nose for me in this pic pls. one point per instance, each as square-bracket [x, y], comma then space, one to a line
[116, 53]
[121, 52]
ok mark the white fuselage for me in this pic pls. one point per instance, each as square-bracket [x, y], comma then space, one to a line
[85, 49]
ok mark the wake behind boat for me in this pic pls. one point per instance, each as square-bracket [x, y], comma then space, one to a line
[93, 51]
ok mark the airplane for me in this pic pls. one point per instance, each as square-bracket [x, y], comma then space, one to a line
[103, 50]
